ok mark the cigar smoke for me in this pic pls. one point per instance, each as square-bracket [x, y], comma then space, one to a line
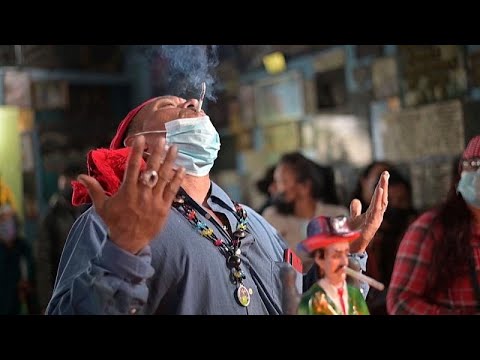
[184, 68]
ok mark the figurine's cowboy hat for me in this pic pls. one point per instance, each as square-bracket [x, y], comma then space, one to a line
[323, 231]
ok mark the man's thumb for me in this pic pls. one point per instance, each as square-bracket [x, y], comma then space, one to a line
[95, 190]
[355, 208]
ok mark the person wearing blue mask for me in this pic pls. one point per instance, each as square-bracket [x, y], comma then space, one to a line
[162, 238]
[436, 270]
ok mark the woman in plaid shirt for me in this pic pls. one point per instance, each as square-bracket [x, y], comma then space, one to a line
[438, 261]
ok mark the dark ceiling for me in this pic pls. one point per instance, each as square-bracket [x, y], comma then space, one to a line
[82, 57]
[109, 58]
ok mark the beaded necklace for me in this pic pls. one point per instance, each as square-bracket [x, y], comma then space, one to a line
[230, 249]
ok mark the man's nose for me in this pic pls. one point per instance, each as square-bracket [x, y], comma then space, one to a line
[191, 103]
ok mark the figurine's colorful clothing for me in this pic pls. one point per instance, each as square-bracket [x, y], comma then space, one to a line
[316, 301]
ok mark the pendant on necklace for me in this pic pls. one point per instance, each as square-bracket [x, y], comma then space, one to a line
[243, 295]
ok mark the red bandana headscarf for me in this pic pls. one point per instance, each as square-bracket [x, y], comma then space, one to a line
[108, 165]
[471, 151]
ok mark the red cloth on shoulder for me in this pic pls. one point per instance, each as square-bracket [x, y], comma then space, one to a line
[108, 167]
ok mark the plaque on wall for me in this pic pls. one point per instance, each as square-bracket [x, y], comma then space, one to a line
[426, 139]
[17, 87]
[279, 99]
[281, 138]
[384, 78]
[368, 50]
[430, 130]
[474, 64]
[338, 138]
[330, 60]
[432, 73]
[50, 95]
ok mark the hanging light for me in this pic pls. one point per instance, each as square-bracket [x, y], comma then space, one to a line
[275, 62]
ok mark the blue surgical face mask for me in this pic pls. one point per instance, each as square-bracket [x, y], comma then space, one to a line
[469, 187]
[197, 141]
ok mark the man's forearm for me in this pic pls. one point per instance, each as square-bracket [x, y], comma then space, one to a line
[114, 283]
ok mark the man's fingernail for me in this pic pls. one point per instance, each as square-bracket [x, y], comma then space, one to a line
[81, 180]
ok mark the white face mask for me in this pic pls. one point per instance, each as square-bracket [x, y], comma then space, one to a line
[197, 141]
[469, 187]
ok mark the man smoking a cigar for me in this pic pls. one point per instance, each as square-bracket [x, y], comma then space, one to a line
[162, 238]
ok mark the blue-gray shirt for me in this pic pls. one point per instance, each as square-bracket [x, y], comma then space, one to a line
[180, 272]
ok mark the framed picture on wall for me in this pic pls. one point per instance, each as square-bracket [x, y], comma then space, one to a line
[17, 89]
[363, 51]
[50, 95]
[337, 138]
[432, 73]
[330, 88]
[385, 78]
[282, 138]
[279, 99]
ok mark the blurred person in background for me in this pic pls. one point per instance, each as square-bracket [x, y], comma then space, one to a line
[54, 229]
[17, 296]
[383, 249]
[301, 190]
[437, 266]
[267, 187]
[367, 181]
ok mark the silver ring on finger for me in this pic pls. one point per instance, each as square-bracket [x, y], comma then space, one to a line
[149, 178]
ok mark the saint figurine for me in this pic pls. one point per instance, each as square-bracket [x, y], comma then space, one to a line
[328, 243]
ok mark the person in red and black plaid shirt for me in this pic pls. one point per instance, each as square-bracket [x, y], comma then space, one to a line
[437, 266]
